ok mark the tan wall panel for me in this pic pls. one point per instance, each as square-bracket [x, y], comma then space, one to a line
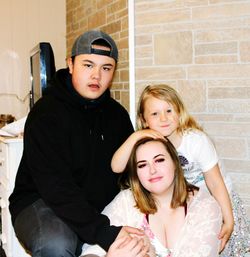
[23, 25]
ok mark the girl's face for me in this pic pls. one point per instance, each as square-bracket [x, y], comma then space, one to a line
[155, 168]
[161, 116]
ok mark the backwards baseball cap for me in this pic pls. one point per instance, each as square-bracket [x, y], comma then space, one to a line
[83, 44]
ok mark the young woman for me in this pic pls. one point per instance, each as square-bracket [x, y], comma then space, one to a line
[179, 219]
[162, 113]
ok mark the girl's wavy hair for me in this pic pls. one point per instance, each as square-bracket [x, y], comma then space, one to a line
[145, 202]
[170, 95]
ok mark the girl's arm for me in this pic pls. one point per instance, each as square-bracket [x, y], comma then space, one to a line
[218, 189]
[121, 156]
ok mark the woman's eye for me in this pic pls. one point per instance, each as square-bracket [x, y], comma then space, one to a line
[140, 166]
[154, 114]
[159, 160]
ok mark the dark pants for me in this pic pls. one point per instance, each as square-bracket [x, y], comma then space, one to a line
[43, 234]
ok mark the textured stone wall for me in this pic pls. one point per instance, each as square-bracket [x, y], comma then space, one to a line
[202, 48]
[111, 16]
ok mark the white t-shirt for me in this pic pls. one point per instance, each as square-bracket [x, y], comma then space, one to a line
[198, 155]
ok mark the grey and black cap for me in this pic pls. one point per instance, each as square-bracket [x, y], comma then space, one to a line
[83, 44]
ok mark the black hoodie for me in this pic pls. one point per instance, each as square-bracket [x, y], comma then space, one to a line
[68, 145]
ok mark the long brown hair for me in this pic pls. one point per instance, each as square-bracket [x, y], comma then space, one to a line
[145, 202]
[170, 95]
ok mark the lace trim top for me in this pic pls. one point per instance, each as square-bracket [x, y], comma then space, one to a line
[198, 236]
[160, 249]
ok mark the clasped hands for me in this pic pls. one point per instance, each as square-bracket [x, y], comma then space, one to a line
[131, 242]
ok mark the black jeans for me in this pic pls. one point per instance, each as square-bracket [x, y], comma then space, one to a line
[44, 234]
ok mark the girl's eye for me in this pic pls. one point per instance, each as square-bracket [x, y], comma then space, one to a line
[169, 110]
[154, 114]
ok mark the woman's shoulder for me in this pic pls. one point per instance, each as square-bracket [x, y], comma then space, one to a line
[204, 203]
[202, 195]
[125, 193]
[201, 227]
[123, 200]
[122, 210]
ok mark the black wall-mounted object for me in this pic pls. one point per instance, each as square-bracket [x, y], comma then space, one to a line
[42, 69]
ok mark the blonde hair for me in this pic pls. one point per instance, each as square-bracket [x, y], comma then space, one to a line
[143, 198]
[170, 95]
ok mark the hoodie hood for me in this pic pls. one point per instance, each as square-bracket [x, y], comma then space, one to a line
[61, 88]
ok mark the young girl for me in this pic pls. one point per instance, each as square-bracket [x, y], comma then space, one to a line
[161, 113]
[179, 219]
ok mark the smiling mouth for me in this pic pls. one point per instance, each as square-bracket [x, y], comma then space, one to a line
[154, 180]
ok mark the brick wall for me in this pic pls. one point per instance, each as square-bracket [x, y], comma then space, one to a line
[111, 16]
[202, 48]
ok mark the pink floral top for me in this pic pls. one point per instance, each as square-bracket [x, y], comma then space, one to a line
[160, 250]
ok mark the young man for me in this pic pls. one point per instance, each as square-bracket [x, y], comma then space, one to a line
[64, 179]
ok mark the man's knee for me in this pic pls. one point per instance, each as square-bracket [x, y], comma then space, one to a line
[44, 234]
[56, 247]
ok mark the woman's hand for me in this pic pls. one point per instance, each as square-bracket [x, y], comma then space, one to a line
[127, 231]
[128, 247]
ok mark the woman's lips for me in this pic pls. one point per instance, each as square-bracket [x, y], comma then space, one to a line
[155, 179]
